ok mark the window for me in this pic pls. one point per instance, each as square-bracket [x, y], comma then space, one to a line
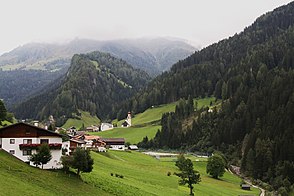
[44, 141]
[27, 141]
[11, 151]
[26, 152]
[12, 141]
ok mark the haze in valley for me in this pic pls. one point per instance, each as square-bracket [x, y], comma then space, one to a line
[199, 22]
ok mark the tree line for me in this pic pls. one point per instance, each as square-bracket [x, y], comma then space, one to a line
[252, 72]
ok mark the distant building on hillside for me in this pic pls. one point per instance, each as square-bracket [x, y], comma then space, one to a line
[245, 187]
[92, 128]
[133, 147]
[115, 143]
[128, 121]
[106, 126]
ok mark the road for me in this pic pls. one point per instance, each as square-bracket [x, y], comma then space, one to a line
[238, 173]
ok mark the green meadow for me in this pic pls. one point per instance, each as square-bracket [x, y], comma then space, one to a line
[140, 175]
[145, 175]
[85, 119]
[18, 178]
[147, 122]
[131, 134]
[154, 113]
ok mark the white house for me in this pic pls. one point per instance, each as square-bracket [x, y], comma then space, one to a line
[106, 126]
[133, 147]
[21, 140]
[114, 143]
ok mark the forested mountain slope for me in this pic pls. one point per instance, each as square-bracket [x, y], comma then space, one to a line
[153, 55]
[94, 82]
[29, 68]
[252, 72]
[267, 41]
[18, 85]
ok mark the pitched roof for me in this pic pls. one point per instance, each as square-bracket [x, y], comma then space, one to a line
[113, 139]
[78, 141]
[91, 137]
[32, 126]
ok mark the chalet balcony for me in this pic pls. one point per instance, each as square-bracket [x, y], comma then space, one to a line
[52, 146]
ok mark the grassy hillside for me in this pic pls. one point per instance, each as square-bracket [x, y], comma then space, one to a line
[17, 178]
[5, 122]
[85, 119]
[131, 134]
[154, 113]
[144, 124]
[145, 175]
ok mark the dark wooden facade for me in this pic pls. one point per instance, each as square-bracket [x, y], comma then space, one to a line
[114, 141]
[23, 130]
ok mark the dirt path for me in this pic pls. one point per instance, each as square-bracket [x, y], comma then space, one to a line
[237, 172]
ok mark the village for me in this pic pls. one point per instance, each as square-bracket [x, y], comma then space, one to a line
[23, 139]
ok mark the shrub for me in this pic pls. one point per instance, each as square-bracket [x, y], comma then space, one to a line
[168, 173]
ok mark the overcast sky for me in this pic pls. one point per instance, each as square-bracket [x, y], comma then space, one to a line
[201, 22]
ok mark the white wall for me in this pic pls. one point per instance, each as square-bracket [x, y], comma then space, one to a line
[56, 154]
[66, 145]
[117, 147]
[105, 127]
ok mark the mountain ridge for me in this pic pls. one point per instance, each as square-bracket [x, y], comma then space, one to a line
[93, 83]
[147, 54]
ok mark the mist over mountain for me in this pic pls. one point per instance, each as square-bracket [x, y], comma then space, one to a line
[152, 55]
[253, 74]
[29, 68]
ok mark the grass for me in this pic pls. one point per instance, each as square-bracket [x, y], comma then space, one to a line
[18, 178]
[5, 122]
[144, 124]
[86, 119]
[145, 175]
[131, 134]
[155, 113]
[142, 175]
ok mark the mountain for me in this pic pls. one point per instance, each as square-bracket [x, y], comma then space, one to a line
[30, 68]
[153, 55]
[94, 83]
[19, 85]
[253, 73]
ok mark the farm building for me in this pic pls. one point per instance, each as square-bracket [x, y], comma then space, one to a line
[245, 187]
[106, 126]
[22, 140]
[115, 143]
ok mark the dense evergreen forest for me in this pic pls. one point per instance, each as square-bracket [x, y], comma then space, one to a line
[253, 73]
[19, 85]
[94, 82]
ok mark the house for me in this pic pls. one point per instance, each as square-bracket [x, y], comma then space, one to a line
[106, 126]
[128, 121]
[22, 140]
[114, 143]
[92, 128]
[133, 147]
[75, 143]
[245, 187]
[72, 131]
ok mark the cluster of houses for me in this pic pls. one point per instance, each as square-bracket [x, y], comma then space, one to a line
[22, 140]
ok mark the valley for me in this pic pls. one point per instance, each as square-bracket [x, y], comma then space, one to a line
[154, 115]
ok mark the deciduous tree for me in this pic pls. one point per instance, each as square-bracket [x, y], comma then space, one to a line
[188, 175]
